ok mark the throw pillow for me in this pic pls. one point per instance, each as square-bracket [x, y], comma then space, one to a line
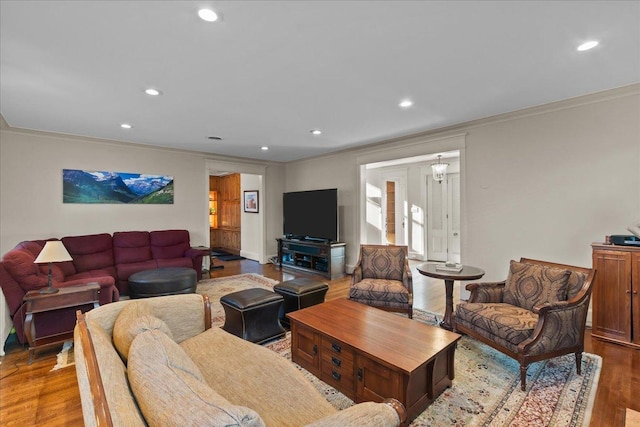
[171, 391]
[134, 318]
[529, 285]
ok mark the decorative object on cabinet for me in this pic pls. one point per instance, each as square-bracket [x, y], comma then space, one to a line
[251, 201]
[616, 294]
[53, 251]
[80, 186]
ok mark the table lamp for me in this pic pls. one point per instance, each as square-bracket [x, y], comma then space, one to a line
[53, 251]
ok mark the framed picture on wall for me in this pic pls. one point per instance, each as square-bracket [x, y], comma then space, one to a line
[251, 201]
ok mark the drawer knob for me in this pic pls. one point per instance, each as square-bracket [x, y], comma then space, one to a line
[335, 361]
[315, 349]
[336, 347]
[336, 375]
[359, 374]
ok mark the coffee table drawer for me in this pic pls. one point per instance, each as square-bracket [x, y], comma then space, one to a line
[337, 349]
[337, 373]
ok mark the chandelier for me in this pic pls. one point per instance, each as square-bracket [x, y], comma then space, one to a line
[439, 170]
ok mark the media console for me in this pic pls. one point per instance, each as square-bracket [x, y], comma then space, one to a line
[326, 259]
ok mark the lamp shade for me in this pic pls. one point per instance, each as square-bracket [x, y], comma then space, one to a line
[53, 251]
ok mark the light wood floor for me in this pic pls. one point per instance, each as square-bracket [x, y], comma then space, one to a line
[31, 395]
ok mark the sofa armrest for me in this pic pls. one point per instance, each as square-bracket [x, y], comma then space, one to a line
[560, 325]
[407, 278]
[487, 292]
[389, 413]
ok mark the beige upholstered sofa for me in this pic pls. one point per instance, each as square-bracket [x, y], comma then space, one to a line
[157, 362]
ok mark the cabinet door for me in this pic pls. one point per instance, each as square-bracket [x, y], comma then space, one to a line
[612, 295]
[635, 297]
[305, 349]
[376, 382]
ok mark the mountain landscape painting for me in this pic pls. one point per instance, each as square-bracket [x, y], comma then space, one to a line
[80, 186]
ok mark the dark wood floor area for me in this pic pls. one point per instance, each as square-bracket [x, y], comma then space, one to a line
[32, 395]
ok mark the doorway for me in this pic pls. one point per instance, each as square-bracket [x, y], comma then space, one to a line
[403, 205]
[443, 218]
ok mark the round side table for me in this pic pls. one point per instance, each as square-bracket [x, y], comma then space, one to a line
[467, 273]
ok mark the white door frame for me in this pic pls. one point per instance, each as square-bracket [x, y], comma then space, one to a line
[398, 176]
[214, 166]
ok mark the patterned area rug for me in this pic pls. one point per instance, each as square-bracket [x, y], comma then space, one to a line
[486, 389]
[216, 288]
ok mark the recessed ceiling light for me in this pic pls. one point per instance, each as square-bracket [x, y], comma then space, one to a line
[152, 92]
[587, 45]
[406, 103]
[316, 131]
[126, 126]
[208, 15]
[264, 148]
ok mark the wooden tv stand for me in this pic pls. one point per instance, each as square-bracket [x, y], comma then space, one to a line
[326, 259]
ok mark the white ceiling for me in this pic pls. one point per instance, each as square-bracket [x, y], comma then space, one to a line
[270, 71]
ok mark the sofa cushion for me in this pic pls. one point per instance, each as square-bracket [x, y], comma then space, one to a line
[136, 317]
[247, 374]
[529, 285]
[131, 246]
[169, 243]
[165, 382]
[511, 323]
[175, 262]
[90, 252]
[379, 290]
[126, 270]
[383, 262]
[122, 405]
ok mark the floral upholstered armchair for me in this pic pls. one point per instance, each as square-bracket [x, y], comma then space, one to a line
[382, 278]
[537, 313]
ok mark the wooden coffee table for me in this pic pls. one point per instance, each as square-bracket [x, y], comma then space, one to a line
[369, 354]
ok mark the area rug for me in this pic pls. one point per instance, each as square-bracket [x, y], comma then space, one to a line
[486, 389]
[216, 288]
[65, 357]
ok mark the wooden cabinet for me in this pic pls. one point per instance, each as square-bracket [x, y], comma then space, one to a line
[225, 230]
[616, 294]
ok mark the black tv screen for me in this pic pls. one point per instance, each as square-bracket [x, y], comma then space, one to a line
[311, 214]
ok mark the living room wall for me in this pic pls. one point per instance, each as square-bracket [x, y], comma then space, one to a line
[31, 205]
[540, 183]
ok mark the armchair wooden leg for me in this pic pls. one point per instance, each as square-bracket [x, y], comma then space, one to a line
[579, 362]
[523, 377]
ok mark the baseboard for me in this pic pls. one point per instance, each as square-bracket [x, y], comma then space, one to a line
[250, 255]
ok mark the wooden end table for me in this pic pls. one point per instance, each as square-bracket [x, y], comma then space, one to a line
[467, 273]
[84, 297]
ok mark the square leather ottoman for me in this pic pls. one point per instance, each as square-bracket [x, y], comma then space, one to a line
[299, 293]
[252, 314]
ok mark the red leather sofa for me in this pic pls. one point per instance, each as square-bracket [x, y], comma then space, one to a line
[98, 258]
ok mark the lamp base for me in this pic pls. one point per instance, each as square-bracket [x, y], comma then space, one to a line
[49, 290]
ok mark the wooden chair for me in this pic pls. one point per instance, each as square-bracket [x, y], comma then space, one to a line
[538, 312]
[382, 279]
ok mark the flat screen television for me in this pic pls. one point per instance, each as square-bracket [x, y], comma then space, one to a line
[311, 215]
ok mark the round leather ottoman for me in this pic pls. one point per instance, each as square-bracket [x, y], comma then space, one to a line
[252, 314]
[162, 281]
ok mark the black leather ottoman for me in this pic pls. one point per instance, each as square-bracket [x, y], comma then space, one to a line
[252, 314]
[163, 281]
[299, 293]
